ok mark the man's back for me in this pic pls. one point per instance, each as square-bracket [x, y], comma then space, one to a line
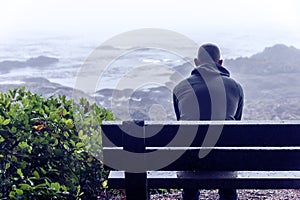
[208, 88]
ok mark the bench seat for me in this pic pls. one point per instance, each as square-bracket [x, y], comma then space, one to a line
[215, 180]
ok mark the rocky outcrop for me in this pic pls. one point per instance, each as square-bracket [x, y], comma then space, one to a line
[40, 62]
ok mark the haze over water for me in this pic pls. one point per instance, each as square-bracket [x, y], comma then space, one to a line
[71, 30]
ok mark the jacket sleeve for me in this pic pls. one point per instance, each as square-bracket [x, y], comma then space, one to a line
[175, 103]
[238, 115]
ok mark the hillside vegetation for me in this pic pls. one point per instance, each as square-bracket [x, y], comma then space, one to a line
[50, 148]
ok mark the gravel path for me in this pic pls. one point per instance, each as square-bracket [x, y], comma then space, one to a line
[243, 195]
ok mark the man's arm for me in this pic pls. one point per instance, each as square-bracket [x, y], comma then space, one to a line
[175, 103]
[238, 115]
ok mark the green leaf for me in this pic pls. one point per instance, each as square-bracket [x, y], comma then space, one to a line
[64, 188]
[72, 142]
[66, 134]
[14, 159]
[79, 144]
[19, 171]
[23, 145]
[1, 139]
[66, 146]
[13, 130]
[43, 185]
[47, 183]
[53, 170]
[23, 164]
[5, 122]
[36, 174]
[104, 184]
[25, 186]
[55, 186]
[22, 89]
[12, 195]
[7, 165]
[19, 191]
[69, 121]
[29, 149]
[82, 136]
[43, 170]
[55, 142]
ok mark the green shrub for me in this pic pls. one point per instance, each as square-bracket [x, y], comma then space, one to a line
[50, 148]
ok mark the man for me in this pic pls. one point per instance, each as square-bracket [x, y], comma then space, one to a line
[208, 94]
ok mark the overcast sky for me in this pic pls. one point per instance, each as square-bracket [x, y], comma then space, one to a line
[111, 17]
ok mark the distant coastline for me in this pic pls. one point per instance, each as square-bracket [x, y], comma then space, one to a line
[270, 79]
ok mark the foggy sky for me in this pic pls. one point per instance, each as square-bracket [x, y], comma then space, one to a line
[111, 17]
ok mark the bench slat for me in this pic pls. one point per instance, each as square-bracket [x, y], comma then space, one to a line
[233, 134]
[215, 179]
[118, 134]
[239, 134]
[229, 159]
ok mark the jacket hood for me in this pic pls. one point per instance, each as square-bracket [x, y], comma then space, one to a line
[211, 69]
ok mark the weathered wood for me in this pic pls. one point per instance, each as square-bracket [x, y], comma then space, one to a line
[136, 186]
[216, 179]
[136, 183]
[233, 134]
[262, 154]
[226, 158]
[241, 133]
[229, 159]
[112, 134]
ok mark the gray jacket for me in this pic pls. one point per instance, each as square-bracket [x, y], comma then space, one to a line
[208, 94]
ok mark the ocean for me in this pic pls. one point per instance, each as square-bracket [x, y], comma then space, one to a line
[72, 53]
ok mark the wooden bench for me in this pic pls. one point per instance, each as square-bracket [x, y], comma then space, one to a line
[246, 155]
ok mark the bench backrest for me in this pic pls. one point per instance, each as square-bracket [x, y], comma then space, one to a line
[232, 146]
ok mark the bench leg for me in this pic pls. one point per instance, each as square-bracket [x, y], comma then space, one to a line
[136, 186]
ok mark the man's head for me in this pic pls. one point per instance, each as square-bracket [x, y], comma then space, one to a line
[208, 53]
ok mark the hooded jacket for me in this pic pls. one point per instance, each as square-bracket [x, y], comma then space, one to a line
[208, 94]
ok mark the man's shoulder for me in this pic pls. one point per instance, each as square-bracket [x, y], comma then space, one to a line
[231, 81]
[179, 85]
[234, 84]
[183, 84]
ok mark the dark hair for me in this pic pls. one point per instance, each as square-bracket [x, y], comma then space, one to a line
[209, 53]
